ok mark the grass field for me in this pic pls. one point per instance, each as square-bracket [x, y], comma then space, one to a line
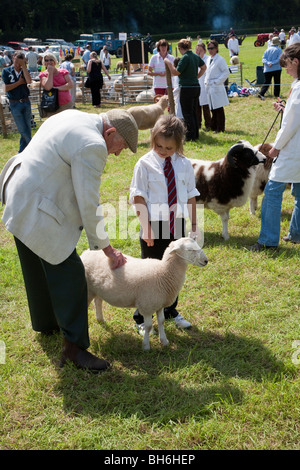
[231, 382]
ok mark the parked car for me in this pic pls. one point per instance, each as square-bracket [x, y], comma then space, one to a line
[18, 46]
[39, 49]
[10, 50]
[81, 43]
[54, 50]
[109, 40]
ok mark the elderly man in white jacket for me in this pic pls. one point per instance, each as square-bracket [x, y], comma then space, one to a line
[216, 74]
[286, 164]
[51, 193]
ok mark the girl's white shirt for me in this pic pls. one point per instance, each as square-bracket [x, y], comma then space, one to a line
[149, 182]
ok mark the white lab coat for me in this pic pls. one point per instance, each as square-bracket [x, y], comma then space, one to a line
[286, 169]
[215, 76]
[203, 99]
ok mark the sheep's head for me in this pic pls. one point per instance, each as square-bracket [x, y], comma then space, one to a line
[243, 155]
[163, 101]
[190, 251]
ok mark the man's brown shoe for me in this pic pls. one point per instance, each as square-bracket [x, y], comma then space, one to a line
[81, 358]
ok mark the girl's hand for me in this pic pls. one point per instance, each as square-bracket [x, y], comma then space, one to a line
[149, 241]
[148, 236]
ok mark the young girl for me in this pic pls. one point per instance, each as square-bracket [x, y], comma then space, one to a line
[149, 193]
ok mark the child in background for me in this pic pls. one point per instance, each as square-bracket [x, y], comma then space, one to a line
[150, 196]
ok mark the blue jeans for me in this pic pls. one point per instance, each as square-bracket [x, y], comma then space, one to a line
[271, 214]
[22, 115]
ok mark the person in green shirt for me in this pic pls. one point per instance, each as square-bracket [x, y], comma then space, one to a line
[189, 69]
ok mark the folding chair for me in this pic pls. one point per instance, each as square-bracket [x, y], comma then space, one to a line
[259, 81]
[236, 74]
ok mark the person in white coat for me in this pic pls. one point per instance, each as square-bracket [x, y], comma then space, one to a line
[51, 193]
[216, 74]
[294, 37]
[286, 164]
[203, 108]
[233, 45]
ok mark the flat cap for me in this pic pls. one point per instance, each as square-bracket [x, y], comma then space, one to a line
[125, 125]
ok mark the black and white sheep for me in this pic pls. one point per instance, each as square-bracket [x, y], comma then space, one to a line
[227, 183]
[147, 284]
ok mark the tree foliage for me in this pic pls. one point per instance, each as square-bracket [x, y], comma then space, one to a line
[40, 18]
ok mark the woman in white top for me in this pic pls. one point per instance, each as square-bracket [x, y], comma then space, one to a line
[216, 74]
[286, 164]
[203, 99]
[157, 68]
[105, 57]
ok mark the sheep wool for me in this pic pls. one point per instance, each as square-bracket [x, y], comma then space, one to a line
[133, 284]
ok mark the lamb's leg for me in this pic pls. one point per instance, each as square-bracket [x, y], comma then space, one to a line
[160, 321]
[148, 328]
[98, 308]
[253, 205]
[225, 217]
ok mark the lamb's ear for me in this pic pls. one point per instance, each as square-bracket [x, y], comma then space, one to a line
[231, 156]
[174, 246]
[192, 237]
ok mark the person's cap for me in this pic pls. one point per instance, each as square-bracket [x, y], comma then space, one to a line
[276, 41]
[125, 125]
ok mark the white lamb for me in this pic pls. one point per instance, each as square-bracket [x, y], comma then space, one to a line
[146, 116]
[146, 284]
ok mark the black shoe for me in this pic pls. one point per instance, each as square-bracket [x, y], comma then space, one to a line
[50, 332]
[260, 247]
[82, 359]
[261, 97]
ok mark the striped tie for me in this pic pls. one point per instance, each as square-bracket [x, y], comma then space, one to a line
[172, 196]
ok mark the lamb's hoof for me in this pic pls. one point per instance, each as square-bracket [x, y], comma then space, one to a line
[164, 342]
[146, 347]
[100, 320]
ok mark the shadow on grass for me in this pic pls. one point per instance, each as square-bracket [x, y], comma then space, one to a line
[212, 239]
[211, 138]
[191, 378]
